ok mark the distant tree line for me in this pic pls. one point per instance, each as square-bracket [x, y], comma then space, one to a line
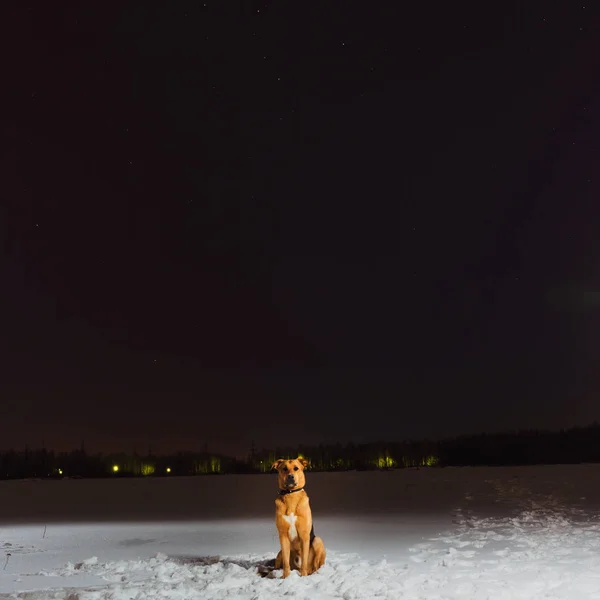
[78, 463]
[529, 447]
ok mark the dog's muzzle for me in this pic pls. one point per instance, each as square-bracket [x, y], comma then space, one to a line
[290, 481]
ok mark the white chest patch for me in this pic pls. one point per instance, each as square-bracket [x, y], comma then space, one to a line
[291, 519]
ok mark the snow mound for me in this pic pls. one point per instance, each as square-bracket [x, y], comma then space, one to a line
[236, 577]
[496, 534]
[535, 554]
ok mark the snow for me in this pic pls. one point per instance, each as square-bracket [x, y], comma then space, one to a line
[476, 533]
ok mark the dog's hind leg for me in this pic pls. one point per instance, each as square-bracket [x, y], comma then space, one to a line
[318, 554]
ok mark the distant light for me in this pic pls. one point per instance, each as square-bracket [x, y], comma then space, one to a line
[168, 469]
[115, 468]
[60, 471]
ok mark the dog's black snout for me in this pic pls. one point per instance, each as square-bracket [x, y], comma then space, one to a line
[290, 477]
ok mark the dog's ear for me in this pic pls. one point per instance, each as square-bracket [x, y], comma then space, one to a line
[277, 464]
[303, 462]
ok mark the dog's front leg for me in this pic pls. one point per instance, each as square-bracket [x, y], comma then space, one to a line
[305, 547]
[284, 540]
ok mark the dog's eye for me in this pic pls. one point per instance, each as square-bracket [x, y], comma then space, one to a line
[285, 469]
[295, 468]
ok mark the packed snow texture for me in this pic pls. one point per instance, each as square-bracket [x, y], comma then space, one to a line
[497, 533]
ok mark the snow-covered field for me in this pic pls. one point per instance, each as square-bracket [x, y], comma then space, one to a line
[506, 533]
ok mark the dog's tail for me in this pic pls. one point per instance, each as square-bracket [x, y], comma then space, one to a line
[266, 569]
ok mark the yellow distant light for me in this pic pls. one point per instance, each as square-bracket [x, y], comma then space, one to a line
[60, 471]
[115, 468]
[168, 469]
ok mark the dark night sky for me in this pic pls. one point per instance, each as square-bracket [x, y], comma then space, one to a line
[297, 222]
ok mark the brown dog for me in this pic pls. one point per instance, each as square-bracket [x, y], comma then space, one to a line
[300, 548]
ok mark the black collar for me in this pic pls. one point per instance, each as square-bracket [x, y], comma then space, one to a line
[286, 492]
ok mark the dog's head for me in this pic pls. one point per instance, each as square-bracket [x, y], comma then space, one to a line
[291, 472]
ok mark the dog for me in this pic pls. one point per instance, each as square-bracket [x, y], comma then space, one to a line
[300, 548]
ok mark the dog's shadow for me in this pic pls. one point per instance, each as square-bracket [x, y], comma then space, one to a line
[263, 568]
